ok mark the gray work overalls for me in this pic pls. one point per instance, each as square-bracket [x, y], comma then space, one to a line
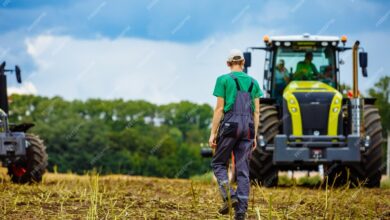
[236, 133]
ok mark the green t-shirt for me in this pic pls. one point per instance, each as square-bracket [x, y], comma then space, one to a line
[225, 87]
[305, 71]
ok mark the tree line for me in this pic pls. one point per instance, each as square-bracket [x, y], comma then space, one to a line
[116, 136]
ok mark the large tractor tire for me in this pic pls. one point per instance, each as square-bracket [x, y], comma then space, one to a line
[30, 169]
[369, 171]
[262, 169]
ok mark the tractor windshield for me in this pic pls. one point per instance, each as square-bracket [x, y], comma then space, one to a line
[303, 61]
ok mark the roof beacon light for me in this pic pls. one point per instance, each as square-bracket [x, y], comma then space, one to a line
[344, 39]
[266, 39]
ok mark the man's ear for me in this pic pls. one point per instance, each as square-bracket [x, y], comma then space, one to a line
[228, 64]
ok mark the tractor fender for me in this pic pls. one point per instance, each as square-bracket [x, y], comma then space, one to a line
[369, 101]
[23, 127]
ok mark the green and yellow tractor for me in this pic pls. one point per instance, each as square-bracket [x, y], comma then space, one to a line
[305, 121]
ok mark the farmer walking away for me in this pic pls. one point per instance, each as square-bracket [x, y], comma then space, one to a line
[234, 128]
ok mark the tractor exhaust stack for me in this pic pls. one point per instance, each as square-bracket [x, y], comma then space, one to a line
[356, 105]
[355, 69]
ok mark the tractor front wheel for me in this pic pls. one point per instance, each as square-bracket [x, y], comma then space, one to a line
[30, 168]
[368, 171]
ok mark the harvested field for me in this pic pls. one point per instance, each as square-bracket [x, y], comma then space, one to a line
[69, 196]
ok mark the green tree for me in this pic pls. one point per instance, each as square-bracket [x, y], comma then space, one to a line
[117, 136]
[381, 91]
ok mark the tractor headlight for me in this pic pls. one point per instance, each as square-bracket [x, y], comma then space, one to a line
[293, 109]
[335, 109]
[337, 101]
[292, 101]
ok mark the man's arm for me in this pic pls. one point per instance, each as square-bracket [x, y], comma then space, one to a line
[217, 116]
[286, 76]
[299, 71]
[299, 67]
[256, 115]
[315, 71]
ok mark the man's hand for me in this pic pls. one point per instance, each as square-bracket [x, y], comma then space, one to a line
[254, 144]
[212, 141]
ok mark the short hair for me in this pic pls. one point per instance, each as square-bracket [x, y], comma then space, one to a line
[308, 54]
[236, 62]
[281, 61]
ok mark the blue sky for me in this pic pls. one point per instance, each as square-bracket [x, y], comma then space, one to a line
[159, 49]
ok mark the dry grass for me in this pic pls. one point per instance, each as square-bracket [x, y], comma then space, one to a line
[68, 196]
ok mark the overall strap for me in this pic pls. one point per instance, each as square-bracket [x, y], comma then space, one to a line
[251, 86]
[235, 80]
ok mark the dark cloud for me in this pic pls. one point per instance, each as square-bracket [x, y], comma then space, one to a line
[157, 19]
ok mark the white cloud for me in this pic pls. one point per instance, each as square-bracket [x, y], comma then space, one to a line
[131, 68]
[25, 88]
[157, 71]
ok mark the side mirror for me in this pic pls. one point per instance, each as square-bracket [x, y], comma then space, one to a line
[363, 61]
[248, 59]
[2, 66]
[266, 74]
[17, 73]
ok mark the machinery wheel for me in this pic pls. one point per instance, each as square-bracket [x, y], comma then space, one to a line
[262, 169]
[371, 166]
[369, 170]
[30, 168]
[339, 175]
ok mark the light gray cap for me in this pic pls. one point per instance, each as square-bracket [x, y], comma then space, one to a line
[235, 55]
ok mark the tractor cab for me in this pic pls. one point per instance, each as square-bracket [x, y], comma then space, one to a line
[303, 61]
[299, 58]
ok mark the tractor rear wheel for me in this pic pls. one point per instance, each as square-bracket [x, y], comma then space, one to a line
[30, 168]
[369, 170]
[262, 169]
